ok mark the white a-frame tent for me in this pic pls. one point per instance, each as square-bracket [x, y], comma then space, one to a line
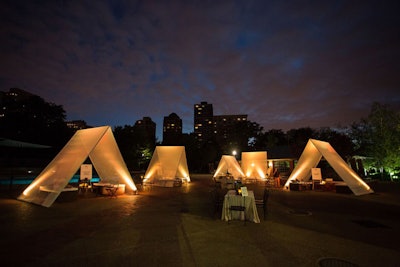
[312, 154]
[96, 143]
[254, 164]
[229, 164]
[167, 163]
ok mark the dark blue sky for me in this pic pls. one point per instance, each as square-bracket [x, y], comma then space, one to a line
[287, 64]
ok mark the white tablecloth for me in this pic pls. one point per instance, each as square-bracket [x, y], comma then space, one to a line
[231, 199]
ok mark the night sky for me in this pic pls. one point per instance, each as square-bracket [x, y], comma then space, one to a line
[287, 64]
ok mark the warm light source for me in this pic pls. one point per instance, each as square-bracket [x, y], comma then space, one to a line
[254, 164]
[96, 143]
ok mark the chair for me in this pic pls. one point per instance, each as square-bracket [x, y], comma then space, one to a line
[177, 182]
[147, 186]
[216, 183]
[217, 199]
[241, 208]
[84, 185]
[270, 182]
[112, 190]
[224, 182]
[262, 203]
[97, 190]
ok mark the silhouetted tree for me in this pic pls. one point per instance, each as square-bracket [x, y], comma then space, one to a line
[135, 147]
[298, 138]
[196, 161]
[30, 118]
[242, 137]
[270, 139]
[341, 141]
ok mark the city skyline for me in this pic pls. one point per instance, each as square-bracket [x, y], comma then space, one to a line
[285, 64]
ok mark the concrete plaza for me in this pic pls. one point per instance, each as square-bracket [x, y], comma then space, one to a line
[176, 227]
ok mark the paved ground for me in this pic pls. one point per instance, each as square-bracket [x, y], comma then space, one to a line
[176, 227]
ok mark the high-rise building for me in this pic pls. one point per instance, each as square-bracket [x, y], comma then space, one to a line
[19, 94]
[14, 101]
[172, 130]
[208, 126]
[225, 126]
[203, 121]
[146, 127]
[77, 125]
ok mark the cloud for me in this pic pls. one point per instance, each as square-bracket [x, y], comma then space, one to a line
[285, 64]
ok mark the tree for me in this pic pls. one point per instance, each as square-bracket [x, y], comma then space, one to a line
[270, 139]
[28, 117]
[135, 147]
[125, 138]
[338, 139]
[378, 136]
[298, 138]
[242, 137]
[199, 156]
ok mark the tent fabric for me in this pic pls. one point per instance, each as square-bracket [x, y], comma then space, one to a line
[312, 154]
[167, 163]
[254, 164]
[96, 143]
[229, 164]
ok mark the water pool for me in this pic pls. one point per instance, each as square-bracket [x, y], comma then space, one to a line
[28, 180]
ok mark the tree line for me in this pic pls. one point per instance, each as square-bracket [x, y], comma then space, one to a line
[376, 137]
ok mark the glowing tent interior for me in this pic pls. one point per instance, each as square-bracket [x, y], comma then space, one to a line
[254, 164]
[229, 164]
[168, 163]
[312, 154]
[96, 143]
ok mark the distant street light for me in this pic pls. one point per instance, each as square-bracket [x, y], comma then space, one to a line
[234, 153]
